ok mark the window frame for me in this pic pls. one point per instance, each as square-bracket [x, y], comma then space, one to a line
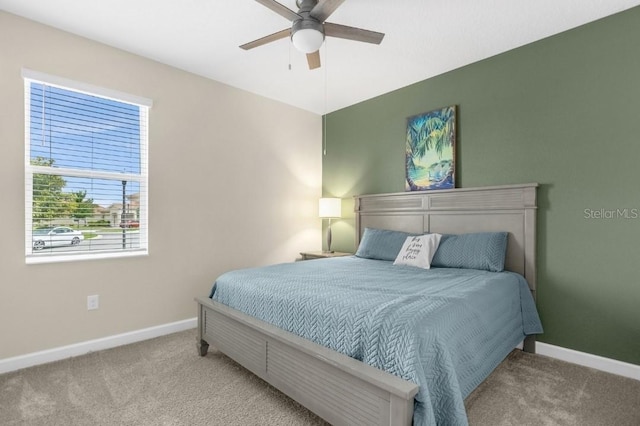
[30, 76]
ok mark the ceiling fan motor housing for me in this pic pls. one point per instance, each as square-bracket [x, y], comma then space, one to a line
[306, 24]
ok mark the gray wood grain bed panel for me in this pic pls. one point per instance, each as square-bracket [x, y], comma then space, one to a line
[340, 389]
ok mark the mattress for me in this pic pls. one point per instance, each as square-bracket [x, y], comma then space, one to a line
[444, 329]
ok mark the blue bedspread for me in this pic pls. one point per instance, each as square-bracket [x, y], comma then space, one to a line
[443, 329]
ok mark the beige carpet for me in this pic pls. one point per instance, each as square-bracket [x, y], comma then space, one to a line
[535, 390]
[164, 382]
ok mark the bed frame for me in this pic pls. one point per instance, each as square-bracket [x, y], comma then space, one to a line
[336, 387]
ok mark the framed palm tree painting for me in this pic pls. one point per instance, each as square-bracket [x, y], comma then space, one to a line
[430, 150]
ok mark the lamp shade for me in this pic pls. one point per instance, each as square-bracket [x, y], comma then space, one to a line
[330, 208]
[307, 40]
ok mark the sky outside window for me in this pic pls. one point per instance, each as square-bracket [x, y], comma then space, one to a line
[85, 132]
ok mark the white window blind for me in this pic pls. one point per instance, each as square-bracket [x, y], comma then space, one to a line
[86, 171]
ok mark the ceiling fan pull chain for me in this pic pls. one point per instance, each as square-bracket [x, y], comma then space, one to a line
[324, 119]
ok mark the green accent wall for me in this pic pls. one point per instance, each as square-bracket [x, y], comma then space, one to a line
[563, 112]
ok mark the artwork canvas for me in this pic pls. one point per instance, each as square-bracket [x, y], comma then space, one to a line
[430, 150]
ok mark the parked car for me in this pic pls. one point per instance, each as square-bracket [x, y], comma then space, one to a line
[58, 236]
[129, 224]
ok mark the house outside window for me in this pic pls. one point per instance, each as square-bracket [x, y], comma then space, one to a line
[86, 171]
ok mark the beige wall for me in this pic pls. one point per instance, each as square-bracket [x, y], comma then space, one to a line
[242, 170]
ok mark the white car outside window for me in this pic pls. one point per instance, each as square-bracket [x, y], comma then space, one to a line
[58, 236]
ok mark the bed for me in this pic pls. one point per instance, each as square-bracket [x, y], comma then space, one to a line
[343, 389]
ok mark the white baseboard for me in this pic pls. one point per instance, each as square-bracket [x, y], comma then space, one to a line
[608, 365]
[63, 352]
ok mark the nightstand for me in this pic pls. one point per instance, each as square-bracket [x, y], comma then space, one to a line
[308, 255]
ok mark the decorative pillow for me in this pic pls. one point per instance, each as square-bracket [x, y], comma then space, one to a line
[418, 251]
[382, 244]
[484, 251]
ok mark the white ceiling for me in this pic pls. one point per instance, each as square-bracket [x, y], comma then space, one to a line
[423, 38]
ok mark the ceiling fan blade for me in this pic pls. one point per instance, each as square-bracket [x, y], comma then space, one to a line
[280, 9]
[352, 33]
[324, 9]
[313, 59]
[266, 39]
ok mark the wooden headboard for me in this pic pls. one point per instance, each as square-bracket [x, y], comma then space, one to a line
[510, 208]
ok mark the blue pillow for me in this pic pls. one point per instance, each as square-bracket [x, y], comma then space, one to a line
[382, 244]
[485, 251]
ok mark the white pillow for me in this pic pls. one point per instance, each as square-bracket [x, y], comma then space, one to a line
[418, 251]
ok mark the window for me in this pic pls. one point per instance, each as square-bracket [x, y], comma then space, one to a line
[86, 171]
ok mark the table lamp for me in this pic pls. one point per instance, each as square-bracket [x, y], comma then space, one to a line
[330, 208]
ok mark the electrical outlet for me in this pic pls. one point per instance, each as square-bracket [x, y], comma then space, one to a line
[93, 302]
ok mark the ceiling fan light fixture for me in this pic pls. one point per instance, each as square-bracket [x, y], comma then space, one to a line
[307, 35]
[307, 41]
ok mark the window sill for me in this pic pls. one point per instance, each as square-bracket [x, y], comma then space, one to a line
[73, 257]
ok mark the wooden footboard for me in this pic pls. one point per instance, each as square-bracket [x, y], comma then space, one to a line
[336, 387]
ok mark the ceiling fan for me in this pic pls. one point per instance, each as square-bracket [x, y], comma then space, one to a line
[309, 28]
